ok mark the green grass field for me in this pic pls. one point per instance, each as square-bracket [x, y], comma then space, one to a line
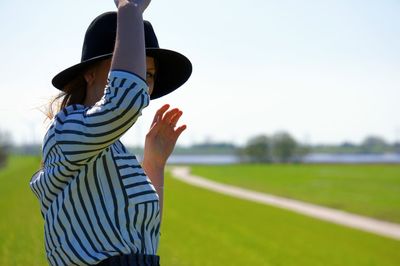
[202, 228]
[372, 190]
[21, 225]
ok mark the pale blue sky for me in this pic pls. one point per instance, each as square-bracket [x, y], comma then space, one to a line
[325, 71]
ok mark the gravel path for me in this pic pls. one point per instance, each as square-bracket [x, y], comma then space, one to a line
[383, 228]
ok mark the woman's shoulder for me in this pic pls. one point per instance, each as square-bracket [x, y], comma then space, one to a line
[68, 110]
[58, 120]
[66, 115]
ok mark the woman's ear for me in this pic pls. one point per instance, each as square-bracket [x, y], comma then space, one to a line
[89, 76]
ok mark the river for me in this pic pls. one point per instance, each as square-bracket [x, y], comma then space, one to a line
[310, 158]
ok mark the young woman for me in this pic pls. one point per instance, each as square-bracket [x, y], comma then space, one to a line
[100, 206]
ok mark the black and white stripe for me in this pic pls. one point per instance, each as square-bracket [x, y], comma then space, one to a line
[96, 199]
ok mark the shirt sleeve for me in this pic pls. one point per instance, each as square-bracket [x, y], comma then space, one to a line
[84, 133]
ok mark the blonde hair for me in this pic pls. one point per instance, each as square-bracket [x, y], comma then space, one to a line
[74, 92]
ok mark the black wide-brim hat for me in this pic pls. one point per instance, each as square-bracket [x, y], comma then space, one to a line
[173, 68]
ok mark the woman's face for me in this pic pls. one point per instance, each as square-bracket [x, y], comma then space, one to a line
[96, 79]
[104, 68]
[150, 73]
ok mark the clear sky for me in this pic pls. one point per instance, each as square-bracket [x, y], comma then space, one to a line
[325, 71]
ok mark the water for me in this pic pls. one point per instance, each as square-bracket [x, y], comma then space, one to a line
[203, 159]
[310, 158]
[352, 158]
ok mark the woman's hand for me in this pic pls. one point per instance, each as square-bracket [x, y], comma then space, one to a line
[162, 136]
[142, 4]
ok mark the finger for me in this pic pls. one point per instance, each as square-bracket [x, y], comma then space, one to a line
[175, 118]
[169, 114]
[179, 130]
[159, 114]
[154, 127]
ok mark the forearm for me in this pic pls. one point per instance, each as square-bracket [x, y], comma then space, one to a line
[129, 51]
[156, 175]
[83, 135]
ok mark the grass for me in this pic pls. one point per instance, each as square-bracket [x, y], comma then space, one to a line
[21, 225]
[205, 228]
[372, 190]
[201, 228]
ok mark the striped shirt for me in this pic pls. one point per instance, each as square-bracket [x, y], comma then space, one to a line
[95, 198]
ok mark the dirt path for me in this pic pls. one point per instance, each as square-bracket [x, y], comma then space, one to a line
[387, 229]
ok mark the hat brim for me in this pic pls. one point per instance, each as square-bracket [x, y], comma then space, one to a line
[173, 70]
[64, 77]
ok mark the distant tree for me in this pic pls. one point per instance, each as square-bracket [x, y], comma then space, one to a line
[4, 148]
[345, 147]
[374, 144]
[257, 149]
[214, 145]
[27, 149]
[301, 151]
[347, 144]
[3, 157]
[284, 147]
[396, 147]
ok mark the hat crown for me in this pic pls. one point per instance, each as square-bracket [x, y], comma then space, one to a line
[173, 68]
[101, 34]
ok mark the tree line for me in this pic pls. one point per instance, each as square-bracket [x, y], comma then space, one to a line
[280, 147]
[283, 148]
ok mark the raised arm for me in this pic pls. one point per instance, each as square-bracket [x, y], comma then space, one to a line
[84, 133]
[129, 52]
